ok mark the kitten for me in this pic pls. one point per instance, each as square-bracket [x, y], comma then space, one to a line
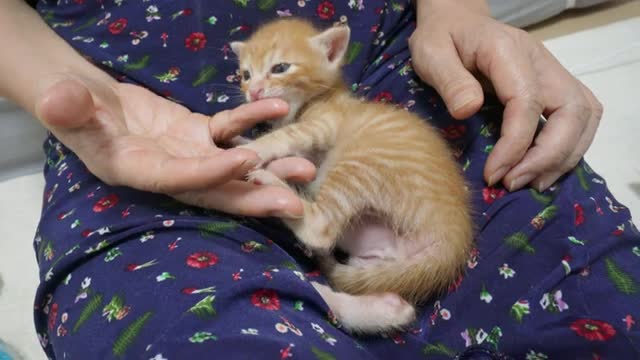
[387, 191]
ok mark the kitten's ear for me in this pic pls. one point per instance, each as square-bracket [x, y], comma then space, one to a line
[237, 47]
[333, 42]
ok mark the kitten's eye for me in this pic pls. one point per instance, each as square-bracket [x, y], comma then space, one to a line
[246, 75]
[280, 68]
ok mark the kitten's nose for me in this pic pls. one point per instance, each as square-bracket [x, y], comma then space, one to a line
[256, 94]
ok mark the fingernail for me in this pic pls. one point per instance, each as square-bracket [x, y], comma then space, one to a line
[542, 186]
[251, 163]
[520, 181]
[285, 214]
[463, 99]
[497, 175]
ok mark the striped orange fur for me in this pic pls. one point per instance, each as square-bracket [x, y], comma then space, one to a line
[382, 171]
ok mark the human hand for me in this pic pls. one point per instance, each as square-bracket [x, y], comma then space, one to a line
[129, 136]
[454, 40]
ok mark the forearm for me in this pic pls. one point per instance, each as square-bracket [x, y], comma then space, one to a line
[425, 6]
[34, 56]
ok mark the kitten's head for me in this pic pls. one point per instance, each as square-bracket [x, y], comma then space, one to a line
[291, 60]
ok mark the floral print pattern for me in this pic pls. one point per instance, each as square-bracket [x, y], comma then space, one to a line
[156, 279]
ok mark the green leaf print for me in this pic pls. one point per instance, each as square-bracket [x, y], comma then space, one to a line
[86, 24]
[206, 74]
[138, 65]
[520, 241]
[353, 51]
[547, 213]
[216, 228]
[92, 306]
[582, 178]
[322, 355]
[48, 16]
[265, 5]
[204, 308]
[539, 197]
[520, 309]
[623, 281]
[242, 3]
[289, 265]
[438, 349]
[115, 309]
[202, 336]
[574, 240]
[129, 334]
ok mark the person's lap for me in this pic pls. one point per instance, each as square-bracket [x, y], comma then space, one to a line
[149, 276]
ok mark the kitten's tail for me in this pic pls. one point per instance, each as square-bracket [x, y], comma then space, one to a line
[416, 278]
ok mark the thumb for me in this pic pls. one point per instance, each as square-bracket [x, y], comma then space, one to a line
[439, 64]
[66, 104]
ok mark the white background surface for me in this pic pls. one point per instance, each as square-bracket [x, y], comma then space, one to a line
[606, 59]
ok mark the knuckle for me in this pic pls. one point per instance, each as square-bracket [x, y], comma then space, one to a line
[533, 99]
[507, 38]
[559, 158]
[598, 109]
[582, 110]
[572, 161]
[456, 84]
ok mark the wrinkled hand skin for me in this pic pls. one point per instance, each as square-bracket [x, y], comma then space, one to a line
[455, 40]
[129, 136]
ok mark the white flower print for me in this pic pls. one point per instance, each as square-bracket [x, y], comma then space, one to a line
[317, 328]
[85, 283]
[506, 271]
[249, 331]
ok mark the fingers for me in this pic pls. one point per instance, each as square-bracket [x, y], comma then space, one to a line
[67, 104]
[230, 123]
[293, 169]
[516, 136]
[514, 79]
[550, 176]
[162, 173]
[440, 66]
[243, 198]
[554, 151]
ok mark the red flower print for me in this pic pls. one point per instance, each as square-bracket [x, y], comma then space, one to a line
[53, 313]
[196, 41]
[384, 97]
[201, 260]
[579, 214]
[490, 194]
[174, 70]
[454, 131]
[188, 291]
[266, 299]
[326, 10]
[106, 202]
[118, 26]
[593, 330]
[187, 12]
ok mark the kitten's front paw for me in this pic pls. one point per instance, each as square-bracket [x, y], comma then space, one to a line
[265, 177]
[264, 157]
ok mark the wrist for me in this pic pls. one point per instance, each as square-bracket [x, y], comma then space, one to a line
[423, 7]
[38, 57]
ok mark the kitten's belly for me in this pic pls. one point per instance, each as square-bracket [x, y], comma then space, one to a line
[369, 238]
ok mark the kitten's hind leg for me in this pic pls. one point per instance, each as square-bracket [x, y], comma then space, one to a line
[368, 314]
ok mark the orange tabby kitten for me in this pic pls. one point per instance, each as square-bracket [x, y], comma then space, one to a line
[387, 191]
